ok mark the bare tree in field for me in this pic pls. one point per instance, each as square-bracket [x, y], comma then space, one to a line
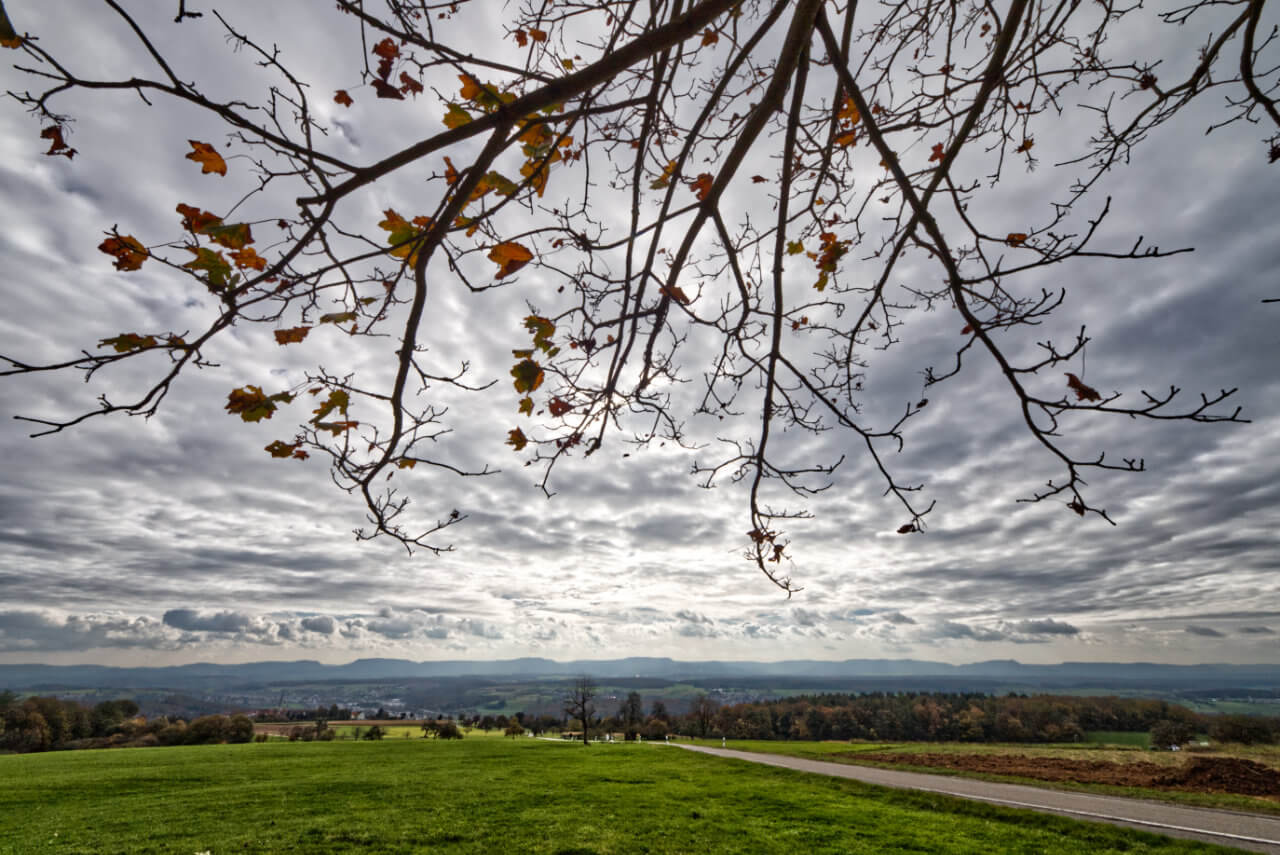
[715, 211]
[579, 703]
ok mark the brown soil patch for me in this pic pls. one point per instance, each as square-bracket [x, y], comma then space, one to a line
[1197, 774]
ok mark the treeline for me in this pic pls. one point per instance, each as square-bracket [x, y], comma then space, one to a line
[53, 724]
[962, 717]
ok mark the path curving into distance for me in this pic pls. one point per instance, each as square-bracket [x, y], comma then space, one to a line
[1254, 832]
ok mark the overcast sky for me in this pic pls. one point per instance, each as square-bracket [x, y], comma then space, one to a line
[177, 539]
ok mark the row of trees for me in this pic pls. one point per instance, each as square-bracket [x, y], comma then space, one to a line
[49, 724]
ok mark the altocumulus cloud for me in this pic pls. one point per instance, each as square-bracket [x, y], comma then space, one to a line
[1206, 631]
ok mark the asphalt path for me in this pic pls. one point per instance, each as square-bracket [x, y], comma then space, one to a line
[1253, 832]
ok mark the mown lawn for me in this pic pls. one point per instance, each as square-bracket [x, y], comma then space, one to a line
[492, 796]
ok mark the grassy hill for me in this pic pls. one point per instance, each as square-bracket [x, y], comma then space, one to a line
[491, 796]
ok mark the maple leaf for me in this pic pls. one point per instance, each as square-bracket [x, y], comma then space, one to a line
[558, 408]
[510, 257]
[1083, 392]
[292, 335]
[383, 89]
[665, 178]
[522, 38]
[709, 37]
[212, 263]
[337, 317]
[471, 88]
[282, 449]
[516, 439]
[1016, 238]
[126, 342]
[386, 49]
[342, 98]
[209, 160]
[758, 179]
[128, 251]
[526, 406]
[57, 145]
[408, 85]
[456, 117]
[538, 35]
[543, 329]
[675, 292]
[702, 185]
[794, 247]
[196, 220]
[1026, 145]
[528, 376]
[232, 235]
[251, 404]
[937, 152]
[338, 400]
[248, 258]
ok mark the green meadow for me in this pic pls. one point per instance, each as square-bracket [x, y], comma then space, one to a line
[492, 796]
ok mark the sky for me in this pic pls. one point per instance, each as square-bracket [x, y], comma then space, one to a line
[176, 539]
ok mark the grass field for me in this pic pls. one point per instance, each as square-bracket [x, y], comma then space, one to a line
[491, 796]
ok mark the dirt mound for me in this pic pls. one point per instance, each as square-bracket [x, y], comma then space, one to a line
[1198, 774]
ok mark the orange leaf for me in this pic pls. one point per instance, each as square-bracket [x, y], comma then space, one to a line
[1016, 238]
[342, 98]
[709, 37]
[510, 257]
[702, 185]
[471, 88]
[937, 152]
[1026, 145]
[196, 220]
[758, 179]
[248, 258]
[128, 251]
[1083, 392]
[675, 292]
[450, 172]
[522, 38]
[558, 407]
[846, 138]
[409, 85]
[209, 160]
[386, 49]
[538, 35]
[293, 335]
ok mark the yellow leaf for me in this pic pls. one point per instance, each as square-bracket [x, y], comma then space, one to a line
[128, 251]
[510, 257]
[456, 117]
[209, 160]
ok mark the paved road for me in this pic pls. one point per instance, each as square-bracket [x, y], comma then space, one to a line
[1253, 832]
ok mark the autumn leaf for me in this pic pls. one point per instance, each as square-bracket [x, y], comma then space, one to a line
[538, 35]
[57, 145]
[251, 404]
[1026, 145]
[406, 463]
[846, 138]
[526, 406]
[558, 408]
[471, 88]
[248, 258]
[281, 449]
[566, 64]
[1083, 392]
[848, 111]
[675, 292]
[212, 263]
[126, 342]
[937, 152]
[209, 160]
[510, 257]
[1016, 238]
[1077, 506]
[758, 179]
[338, 400]
[232, 236]
[195, 220]
[336, 428]
[702, 185]
[386, 49]
[522, 38]
[528, 376]
[456, 117]
[906, 529]
[516, 439]
[338, 318]
[794, 247]
[665, 178]
[709, 37]
[342, 98]
[128, 251]
[383, 89]
[408, 85]
[292, 335]
[543, 329]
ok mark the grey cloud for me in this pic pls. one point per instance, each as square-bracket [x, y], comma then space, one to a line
[322, 624]
[951, 629]
[218, 622]
[1044, 627]
[897, 618]
[1256, 630]
[1206, 631]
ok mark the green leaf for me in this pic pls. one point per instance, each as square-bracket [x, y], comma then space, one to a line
[217, 269]
[234, 236]
[338, 399]
[526, 406]
[528, 376]
[126, 342]
[337, 317]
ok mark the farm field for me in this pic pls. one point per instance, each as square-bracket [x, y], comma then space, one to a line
[1233, 777]
[490, 795]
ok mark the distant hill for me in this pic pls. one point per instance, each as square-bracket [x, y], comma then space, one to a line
[210, 677]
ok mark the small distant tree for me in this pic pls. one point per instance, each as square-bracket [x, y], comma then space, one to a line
[1245, 729]
[514, 729]
[375, 732]
[1165, 734]
[448, 730]
[579, 703]
[703, 715]
[659, 711]
[631, 715]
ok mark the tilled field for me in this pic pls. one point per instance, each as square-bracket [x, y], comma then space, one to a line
[1196, 774]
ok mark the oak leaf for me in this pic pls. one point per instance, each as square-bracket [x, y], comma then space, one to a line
[383, 89]
[906, 529]
[758, 179]
[526, 406]
[128, 251]
[522, 38]
[338, 400]
[1083, 392]
[292, 335]
[283, 449]
[209, 159]
[510, 257]
[337, 317]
